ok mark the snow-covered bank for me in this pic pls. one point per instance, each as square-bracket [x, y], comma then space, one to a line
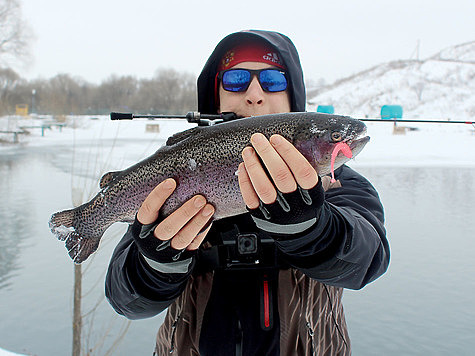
[439, 87]
[424, 144]
[438, 145]
[8, 353]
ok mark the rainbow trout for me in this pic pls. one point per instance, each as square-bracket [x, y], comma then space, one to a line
[204, 160]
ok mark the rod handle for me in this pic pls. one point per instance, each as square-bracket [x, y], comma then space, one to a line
[121, 116]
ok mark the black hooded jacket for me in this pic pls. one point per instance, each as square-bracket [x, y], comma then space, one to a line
[282, 44]
[346, 248]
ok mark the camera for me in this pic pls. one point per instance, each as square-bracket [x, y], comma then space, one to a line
[249, 250]
[246, 244]
[235, 250]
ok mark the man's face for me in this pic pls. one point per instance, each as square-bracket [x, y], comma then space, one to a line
[254, 101]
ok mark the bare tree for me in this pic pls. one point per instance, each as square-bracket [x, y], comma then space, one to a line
[116, 93]
[9, 80]
[62, 95]
[168, 92]
[15, 34]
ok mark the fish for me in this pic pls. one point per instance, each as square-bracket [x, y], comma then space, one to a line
[204, 160]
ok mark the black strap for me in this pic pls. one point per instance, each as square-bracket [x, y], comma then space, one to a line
[241, 251]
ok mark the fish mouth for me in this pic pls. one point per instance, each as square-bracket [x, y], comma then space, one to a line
[357, 145]
[345, 150]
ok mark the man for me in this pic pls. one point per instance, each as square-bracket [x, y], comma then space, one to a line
[311, 244]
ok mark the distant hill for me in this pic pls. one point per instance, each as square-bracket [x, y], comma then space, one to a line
[439, 87]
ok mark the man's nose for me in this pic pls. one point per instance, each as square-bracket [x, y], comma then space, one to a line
[254, 93]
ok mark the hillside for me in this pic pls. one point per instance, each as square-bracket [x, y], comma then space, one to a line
[439, 87]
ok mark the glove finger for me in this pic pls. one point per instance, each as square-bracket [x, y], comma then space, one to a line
[292, 207]
[152, 247]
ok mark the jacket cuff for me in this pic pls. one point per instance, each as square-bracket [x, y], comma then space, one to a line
[283, 229]
[181, 266]
[297, 244]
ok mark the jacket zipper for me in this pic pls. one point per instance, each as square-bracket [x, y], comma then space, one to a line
[174, 325]
[311, 334]
[239, 339]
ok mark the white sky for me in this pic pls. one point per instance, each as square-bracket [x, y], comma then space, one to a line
[94, 39]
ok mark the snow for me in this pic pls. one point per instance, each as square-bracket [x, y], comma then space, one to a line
[441, 145]
[8, 353]
[87, 127]
[442, 87]
[439, 87]
[423, 144]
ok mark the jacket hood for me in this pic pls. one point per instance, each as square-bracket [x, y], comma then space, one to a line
[283, 46]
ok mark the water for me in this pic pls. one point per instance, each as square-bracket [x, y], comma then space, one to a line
[423, 305]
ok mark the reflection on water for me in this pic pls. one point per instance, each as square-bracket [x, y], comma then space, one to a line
[422, 306]
[15, 212]
[36, 272]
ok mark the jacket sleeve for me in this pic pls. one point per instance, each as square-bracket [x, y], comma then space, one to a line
[133, 288]
[347, 247]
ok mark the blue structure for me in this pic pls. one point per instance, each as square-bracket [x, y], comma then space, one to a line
[326, 109]
[391, 112]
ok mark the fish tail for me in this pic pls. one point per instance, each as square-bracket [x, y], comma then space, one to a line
[66, 227]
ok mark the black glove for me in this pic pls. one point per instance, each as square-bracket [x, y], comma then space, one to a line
[159, 254]
[291, 213]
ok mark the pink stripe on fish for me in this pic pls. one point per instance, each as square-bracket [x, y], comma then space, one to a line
[345, 149]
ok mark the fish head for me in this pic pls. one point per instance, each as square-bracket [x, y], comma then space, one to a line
[329, 141]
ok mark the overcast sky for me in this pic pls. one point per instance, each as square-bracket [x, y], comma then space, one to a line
[94, 39]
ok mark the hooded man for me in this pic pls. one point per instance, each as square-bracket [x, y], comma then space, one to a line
[268, 282]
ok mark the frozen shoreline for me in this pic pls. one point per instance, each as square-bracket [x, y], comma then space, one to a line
[8, 353]
[438, 145]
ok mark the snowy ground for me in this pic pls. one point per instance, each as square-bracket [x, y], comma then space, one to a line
[440, 145]
[450, 145]
[8, 353]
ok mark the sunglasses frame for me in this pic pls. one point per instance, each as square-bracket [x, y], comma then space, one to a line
[254, 73]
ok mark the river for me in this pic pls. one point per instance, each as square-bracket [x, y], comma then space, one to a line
[423, 305]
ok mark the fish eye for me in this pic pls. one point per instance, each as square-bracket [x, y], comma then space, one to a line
[336, 136]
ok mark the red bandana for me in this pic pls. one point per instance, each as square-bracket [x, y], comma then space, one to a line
[250, 52]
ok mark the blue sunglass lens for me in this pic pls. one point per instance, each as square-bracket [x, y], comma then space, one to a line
[273, 80]
[236, 80]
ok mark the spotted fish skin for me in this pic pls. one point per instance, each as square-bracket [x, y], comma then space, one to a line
[203, 160]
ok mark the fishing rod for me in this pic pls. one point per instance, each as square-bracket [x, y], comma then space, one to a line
[423, 121]
[211, 119]
[193, 117]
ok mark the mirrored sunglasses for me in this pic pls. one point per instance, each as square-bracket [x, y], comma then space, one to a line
[238, 80]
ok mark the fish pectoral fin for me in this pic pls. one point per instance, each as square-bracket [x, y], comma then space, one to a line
[107, 178]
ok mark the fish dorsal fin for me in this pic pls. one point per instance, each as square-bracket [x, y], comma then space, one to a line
[107, 178]
[181, 136]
